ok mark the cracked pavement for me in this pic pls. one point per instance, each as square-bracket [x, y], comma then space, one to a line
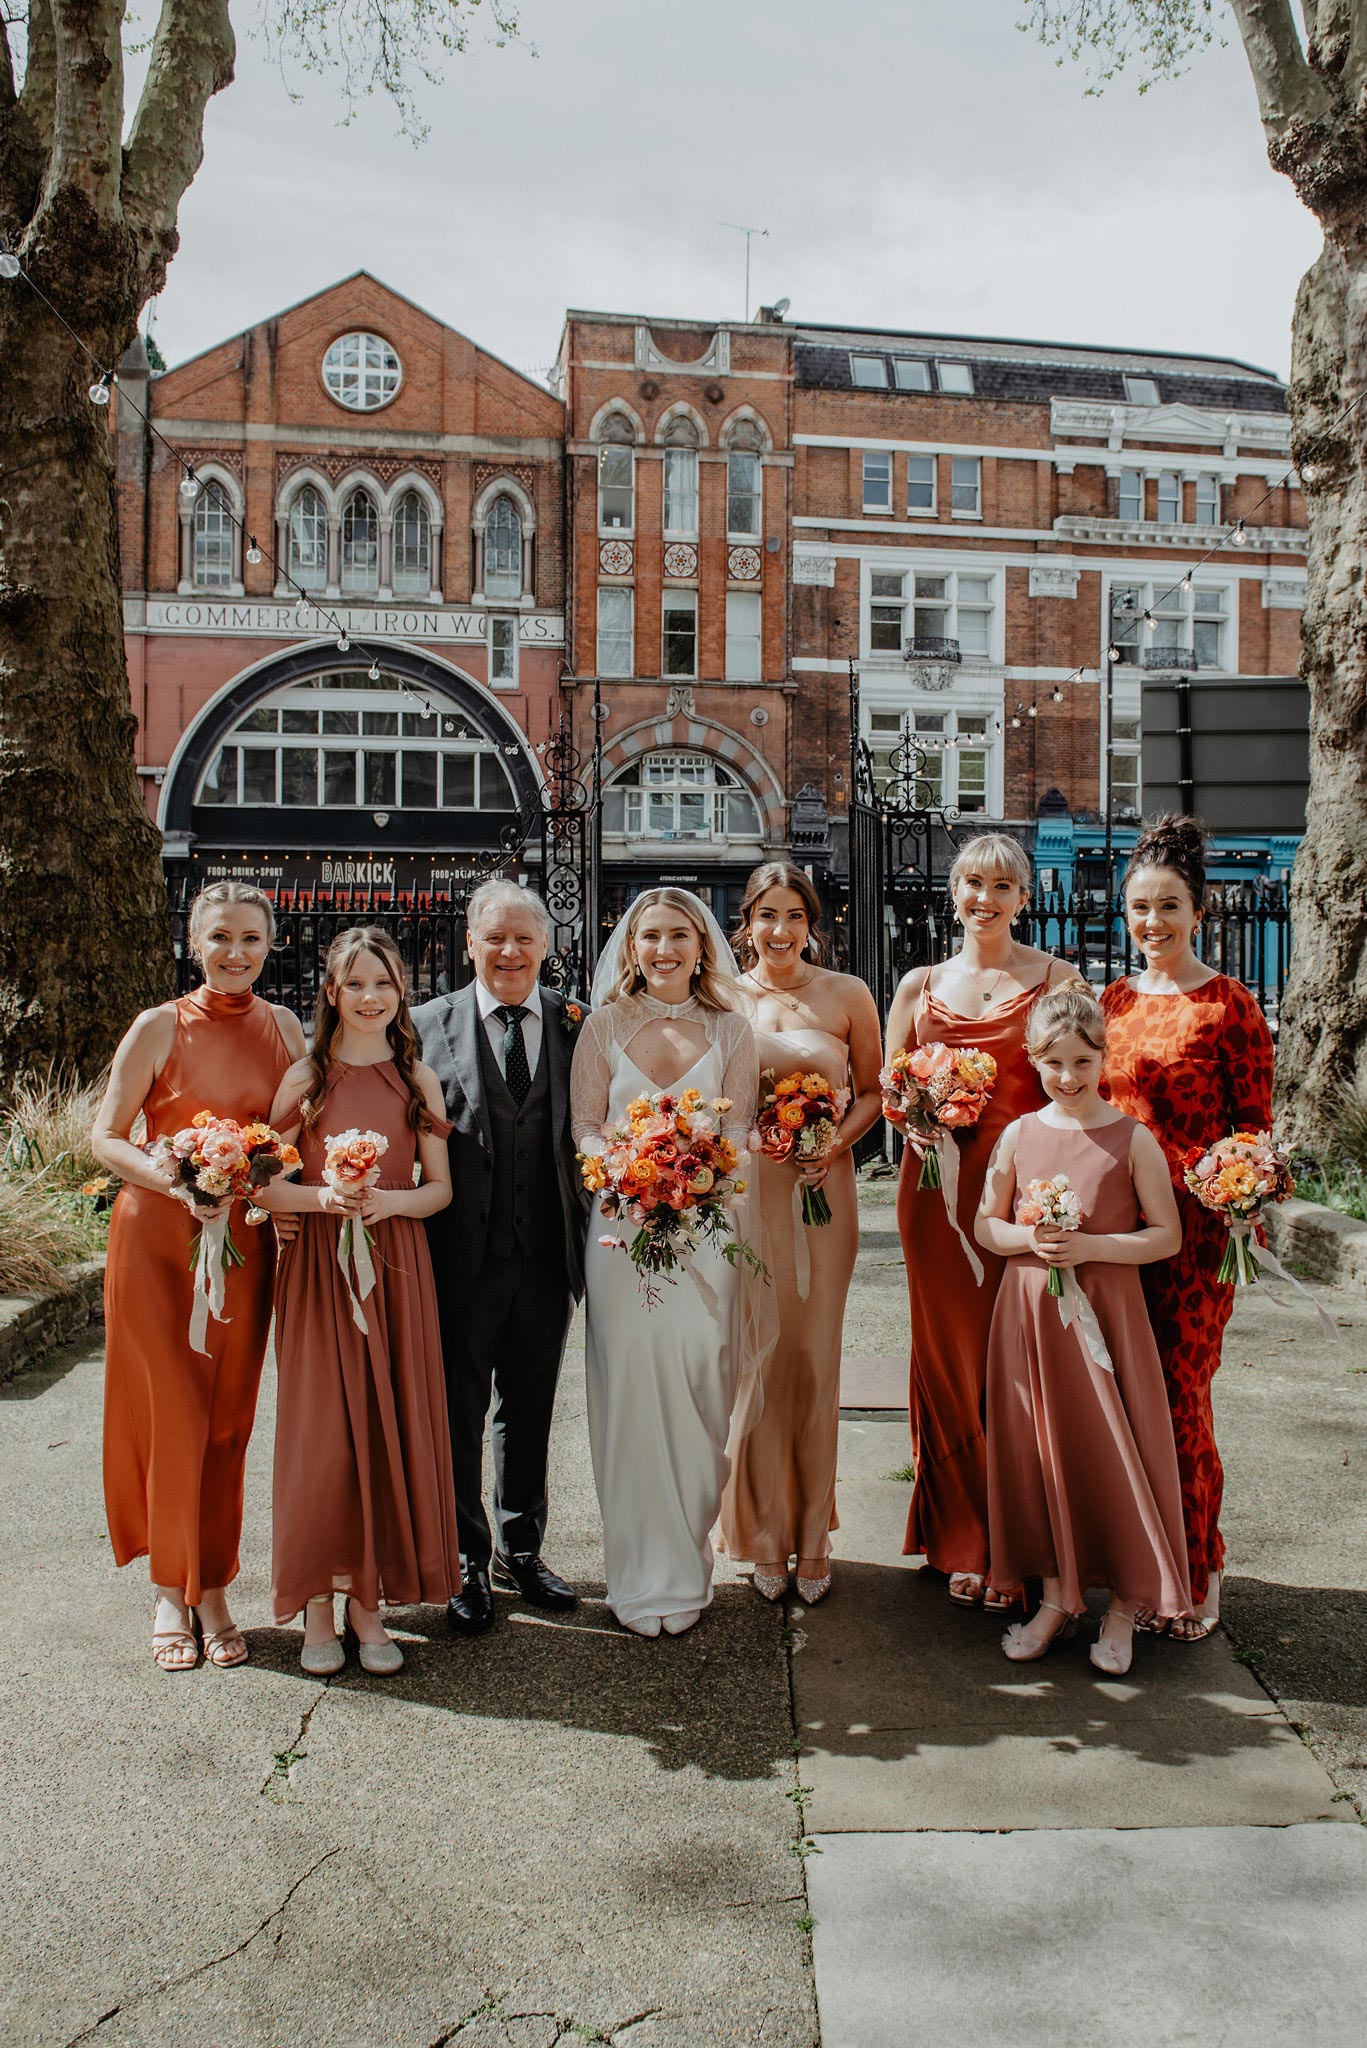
[554, 1834]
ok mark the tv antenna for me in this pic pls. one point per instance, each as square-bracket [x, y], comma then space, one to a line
[749, 234]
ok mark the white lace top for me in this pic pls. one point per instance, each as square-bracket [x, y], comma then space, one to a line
[613, 1025]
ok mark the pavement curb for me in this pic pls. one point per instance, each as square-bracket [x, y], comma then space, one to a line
[1330, 1245]
[32, 1324]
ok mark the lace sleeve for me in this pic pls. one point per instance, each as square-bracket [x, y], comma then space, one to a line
[591, 1076]
[741, 1079]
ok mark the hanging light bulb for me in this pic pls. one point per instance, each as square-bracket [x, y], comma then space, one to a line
[1150, 622]
[189, 485]
[1114, 652]
[1310, 472]
[1186, 581]
[1033, 711]
[1239, 538]
[99, 391]
[343, 644]
[374, 671]
[1015, 719]
[253, 551]
[9, 262]
[1056, 695]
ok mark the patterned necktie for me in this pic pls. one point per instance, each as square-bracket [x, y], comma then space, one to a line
[516, 1072]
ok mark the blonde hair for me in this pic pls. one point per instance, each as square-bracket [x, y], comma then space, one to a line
[1067, 1012]
[707, 982]
[993, 853]
[219, 893]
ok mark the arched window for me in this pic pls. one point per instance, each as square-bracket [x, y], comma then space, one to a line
[616, 474]
[308, 554]
[678, 796]
[213, 550]
[681, 477]
[744, 495]
[360, 544]
[503, 550]
[412, 544]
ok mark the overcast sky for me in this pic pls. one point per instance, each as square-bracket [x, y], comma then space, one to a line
[917, 163]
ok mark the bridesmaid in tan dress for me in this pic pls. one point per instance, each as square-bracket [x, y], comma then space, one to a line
[364, 1501]
[780, 1501]
[176, 1421]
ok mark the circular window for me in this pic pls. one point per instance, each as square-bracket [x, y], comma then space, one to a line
[361, 372]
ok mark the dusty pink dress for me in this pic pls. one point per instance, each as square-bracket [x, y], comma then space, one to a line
[1082, 1478]
[364, 1500]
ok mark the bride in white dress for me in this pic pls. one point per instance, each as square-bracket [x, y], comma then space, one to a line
[662, 1382]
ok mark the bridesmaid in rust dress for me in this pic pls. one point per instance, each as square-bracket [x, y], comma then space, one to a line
[780, 1500]
[1081, 1471]
[981, 997]
[177, 1421]
[1189, 1054]
[364, 1500]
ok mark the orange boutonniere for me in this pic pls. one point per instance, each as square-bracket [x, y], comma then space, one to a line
[571, 1017]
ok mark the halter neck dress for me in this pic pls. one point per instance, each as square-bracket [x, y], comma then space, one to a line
[780, 1499]
[950, 1314]
[176, 1421]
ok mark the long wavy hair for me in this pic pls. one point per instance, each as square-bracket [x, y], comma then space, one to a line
[345, 950]
[708, 983]
[780, 874]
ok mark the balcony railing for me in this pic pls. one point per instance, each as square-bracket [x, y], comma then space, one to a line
[1180, 659]
[931, 648]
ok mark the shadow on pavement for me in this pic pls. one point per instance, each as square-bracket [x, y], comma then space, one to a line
[1305, 1642]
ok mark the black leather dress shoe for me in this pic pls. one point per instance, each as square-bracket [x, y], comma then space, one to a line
[472, 1609]
[537, 1584]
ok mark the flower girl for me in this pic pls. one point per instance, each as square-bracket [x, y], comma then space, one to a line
[364, 1502]
[1082, 1472]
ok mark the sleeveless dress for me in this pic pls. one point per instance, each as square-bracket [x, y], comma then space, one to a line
[661, 1382]
[1192, 1067]
[950, 1315]
[1081, 1472]
[780, 1500]
[363, 1496]
[177, 1422]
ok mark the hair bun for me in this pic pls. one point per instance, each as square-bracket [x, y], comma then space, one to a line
[1171, 841]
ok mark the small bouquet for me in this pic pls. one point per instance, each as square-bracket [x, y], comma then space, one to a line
[939, 1089]
[351, 1164]
[669, 1170]
[798, 1118]
[1052, 1201]
[1234, 1178]
[214, 1160]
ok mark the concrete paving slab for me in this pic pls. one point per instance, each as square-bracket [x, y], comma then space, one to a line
[1092, 1939]
[873, 1379]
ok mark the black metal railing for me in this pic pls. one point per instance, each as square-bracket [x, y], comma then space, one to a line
[930, 647]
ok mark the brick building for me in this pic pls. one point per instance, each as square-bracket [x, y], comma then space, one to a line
[413, 485]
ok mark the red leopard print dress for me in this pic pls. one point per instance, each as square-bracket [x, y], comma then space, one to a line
[1193, 1067]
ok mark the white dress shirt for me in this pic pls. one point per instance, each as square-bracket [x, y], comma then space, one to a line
[495, 1026]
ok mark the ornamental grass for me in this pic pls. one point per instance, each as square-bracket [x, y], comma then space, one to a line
[46, 1223]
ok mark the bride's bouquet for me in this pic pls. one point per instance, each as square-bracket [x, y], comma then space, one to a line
[798, 1118]
[668, 1168]
[214, 1160]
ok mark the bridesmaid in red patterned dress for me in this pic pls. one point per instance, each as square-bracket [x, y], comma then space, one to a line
[1188, 1053]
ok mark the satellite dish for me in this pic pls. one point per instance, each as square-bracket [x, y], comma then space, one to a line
[780, 307]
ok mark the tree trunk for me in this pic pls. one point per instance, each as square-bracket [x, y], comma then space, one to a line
[84, 933]
[1323, 1038]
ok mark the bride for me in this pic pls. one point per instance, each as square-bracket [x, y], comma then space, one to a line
[662, 1382]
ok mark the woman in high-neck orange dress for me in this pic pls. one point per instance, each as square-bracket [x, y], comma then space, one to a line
[981, 997]
[177, 1421]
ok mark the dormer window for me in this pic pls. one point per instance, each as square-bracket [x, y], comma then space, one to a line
[1141, 391]
[870, 373]
[956, 378]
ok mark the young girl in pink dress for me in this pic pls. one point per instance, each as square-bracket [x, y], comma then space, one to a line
[1082, 1478]
[364, 1501]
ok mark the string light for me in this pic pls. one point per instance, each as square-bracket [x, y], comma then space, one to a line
[189, 485]
[374, 671]
[343, 644]
[1016, 718]
[99, 391]
[253, 551]
[1033, 712]
[1056, 695]
[9, 262]
[1239, 537]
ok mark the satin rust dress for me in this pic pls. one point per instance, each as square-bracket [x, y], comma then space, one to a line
[950, 1315]
[780, 1500]
[177, 1422]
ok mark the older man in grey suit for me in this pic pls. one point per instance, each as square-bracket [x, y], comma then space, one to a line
[508, 1253]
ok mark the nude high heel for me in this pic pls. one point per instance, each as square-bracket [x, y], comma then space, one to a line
[1021, 1651]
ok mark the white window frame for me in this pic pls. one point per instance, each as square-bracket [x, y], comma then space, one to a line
[676, 773]
[1169, 503]
[955, 378]
[909, 604]
[911, 373]
[362, 372]
[216, 497]
[1134, 480]
[1127, 750]
[1207, 506]
[960, 481]
[620, 599]
[606, 451]
[505, 585]
[886, 725]
[744, 636]
[735, 497]
[933, 464]
[681, 493]
[877, 486]
[680, 602]
[876, 367]
[307, 575]
[1176, 610]
[1133, 395]
[416, 581]
[361, 580]
[503, 641]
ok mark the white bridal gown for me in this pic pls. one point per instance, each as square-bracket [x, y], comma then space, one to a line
[661, 1381]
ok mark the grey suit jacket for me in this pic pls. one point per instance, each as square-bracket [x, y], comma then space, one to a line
[448, 1028]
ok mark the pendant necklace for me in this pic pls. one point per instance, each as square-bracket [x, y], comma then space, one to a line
[779, 995]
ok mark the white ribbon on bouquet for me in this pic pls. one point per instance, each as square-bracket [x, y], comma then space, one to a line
[353, 1250]
[948, 1154]
[1270, 1263]
[1074, 1307]
[209, 1277]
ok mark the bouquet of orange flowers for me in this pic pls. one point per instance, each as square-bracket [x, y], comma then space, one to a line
[213, 1160]
[1052, 1201]
[668, 1169]
[1234, 1178]
[798, 1118]
[939, 1089]
[351, 1164]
